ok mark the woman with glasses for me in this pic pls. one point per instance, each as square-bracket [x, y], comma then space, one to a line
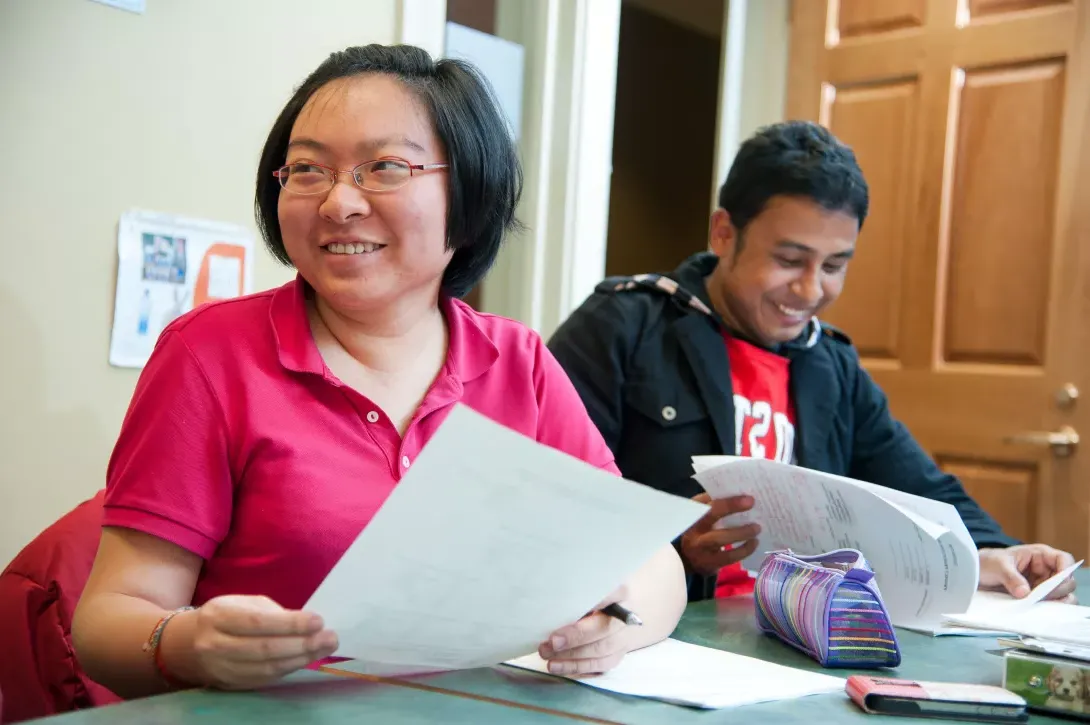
[266, 431]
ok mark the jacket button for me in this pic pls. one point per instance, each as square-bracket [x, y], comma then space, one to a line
[668, 413]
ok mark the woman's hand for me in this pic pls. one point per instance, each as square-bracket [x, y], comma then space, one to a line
[245, 642]
[596, 643]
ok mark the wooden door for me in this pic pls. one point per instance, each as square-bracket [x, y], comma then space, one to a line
[969, 298]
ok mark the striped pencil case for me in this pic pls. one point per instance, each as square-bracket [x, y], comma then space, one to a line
[827, 606]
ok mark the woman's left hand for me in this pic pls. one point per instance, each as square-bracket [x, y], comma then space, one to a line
[596, 643]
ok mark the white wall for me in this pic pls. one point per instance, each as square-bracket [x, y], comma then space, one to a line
[752, 76]
[103, 110]
[569, 93]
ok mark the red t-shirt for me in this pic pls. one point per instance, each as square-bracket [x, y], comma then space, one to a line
[242, 447]
[764, 425]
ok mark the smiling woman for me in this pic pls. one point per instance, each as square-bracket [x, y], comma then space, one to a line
[266, 431]
[419, 112]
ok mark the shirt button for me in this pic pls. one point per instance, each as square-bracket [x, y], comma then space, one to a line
[372, 417]
[405, 461]
[668, 413]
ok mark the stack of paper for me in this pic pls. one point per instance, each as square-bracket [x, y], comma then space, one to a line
[998, 613]
[924, 560]
[1030, 616]
[489, 543]
[1048, 647]
[687, 674]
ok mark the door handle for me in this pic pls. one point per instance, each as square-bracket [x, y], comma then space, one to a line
[1062, 441]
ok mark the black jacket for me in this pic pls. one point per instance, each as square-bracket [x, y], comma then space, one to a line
[653, 373]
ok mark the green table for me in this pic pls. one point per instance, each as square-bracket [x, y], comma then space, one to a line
[504, 694]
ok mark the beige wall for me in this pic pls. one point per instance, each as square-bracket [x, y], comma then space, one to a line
[103, 110]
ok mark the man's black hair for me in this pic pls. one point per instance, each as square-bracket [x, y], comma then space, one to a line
[793, 158]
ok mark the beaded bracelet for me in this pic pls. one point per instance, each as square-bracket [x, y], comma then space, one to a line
[152, 645]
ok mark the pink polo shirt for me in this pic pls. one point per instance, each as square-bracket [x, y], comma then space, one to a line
[241, 446]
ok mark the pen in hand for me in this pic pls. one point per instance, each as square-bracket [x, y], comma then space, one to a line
[625, 615]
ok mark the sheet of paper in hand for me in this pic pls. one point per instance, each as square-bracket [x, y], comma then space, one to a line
[489, 543]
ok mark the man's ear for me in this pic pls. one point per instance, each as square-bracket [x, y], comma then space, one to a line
[723, 237]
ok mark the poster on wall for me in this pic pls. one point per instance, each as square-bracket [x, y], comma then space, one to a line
[166, 266]
[133, 6]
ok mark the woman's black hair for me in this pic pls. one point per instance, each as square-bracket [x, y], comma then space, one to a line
[793, 158]
[485, 174]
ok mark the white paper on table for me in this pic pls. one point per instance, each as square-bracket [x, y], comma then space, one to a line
[982, 602]
[1045, 620]
[489, 543]
[924, 560]
[990, 613]
[1029, 616]
[688, 674]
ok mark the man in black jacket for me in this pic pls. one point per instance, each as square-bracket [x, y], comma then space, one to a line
[726, 355]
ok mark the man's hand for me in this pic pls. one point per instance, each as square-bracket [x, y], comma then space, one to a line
[705, 550]
[1018, 569]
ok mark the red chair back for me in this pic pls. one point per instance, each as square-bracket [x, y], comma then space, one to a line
[39, 673]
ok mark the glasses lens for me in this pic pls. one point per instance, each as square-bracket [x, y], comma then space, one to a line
[382, 174]
[306, 179]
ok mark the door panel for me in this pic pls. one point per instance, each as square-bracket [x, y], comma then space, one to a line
[969, 297]
[1008, 491]
[881, 117]
[1001, 206]
[864, 17]
[984, 8]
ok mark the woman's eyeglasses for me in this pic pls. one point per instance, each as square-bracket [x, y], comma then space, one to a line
[387, 174]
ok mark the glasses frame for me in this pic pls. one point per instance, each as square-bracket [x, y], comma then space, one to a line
[282, 174]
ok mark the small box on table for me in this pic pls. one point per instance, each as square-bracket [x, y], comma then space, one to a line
[1049, 683]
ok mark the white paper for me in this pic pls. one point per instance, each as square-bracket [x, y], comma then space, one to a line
[166, 266]
[1029, 616]
[489, 543]
[687, 674]
[224, 276]
[1046, 646]
[924, 560]
[1046, 587]
[1047, 620]
[982, 603]
[994, 613]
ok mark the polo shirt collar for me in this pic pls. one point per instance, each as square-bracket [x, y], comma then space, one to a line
[470, 353]
[291, 329]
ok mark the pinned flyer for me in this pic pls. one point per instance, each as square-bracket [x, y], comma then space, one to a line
[166, 266]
